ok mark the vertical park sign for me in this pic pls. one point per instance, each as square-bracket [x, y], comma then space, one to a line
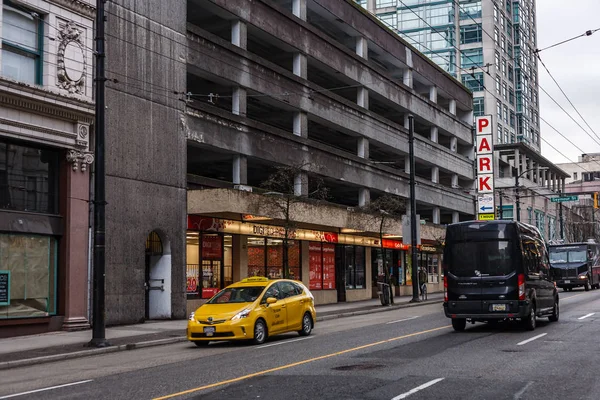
[484, 136]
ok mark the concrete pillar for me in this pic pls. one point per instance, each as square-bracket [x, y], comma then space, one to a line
[537, 174]
[300, 124]
[299, 9]
[74, 247]
[517, 162]
[433, 134]
[363, 148]
[305, 251]
[300, 66]
[239, 257]
[364, 197]
[407, 164]
[452, 107]
[563, 185]
[362, 97]
[239, 34]
[436, 215]
[433, 93]
[240, 170]
[453, 144]
[435, 174]
[454, 180]
[301, 184]
[530, 167]
[407, 77]
[553, 179]
[239, 101]
[362, 47]
[455, 217]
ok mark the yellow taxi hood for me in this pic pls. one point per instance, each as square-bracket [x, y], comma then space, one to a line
[220, 311]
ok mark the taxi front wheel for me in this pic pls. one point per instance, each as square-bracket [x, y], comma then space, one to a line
[260, 332]
[307, 325]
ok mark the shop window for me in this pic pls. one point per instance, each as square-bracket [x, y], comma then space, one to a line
[392, 260]
[353, 261]
[321, 266]
[429, 262]
[205, 264]
[265, 258]
[28, 271]
[28, 178]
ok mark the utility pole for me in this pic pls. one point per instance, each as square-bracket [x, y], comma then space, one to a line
[517, 197]
[98, 306]
[560, 216]
[413, 209]
[501, 209]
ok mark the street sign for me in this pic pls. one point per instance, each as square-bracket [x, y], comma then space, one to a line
[486, 217]
[485, 203]
[564, 198]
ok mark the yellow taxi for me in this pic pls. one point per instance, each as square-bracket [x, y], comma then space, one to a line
[254, 309]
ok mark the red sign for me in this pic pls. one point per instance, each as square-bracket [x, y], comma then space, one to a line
[485, 184]
[484, 124]
[394, 244]
[192, 284]
[315, 262]
[212, 247]
[328, 266]
[207, 293]
[484, 164]
[199, 223]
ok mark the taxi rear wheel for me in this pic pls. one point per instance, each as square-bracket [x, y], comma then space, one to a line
[260, 332]
[307, 325]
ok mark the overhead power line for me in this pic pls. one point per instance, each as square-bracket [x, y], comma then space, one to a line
[586, 33]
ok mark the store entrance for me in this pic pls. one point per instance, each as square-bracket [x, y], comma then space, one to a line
[340, 274]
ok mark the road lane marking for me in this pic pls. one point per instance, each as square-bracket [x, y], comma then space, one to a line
[522, 391]
[418, 388]
[587, 315]
[284, 342]
[44, 389]
[572, 297]
[531, 339]
[266, 371]
[402, 320]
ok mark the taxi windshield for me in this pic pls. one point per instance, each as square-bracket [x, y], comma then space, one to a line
[246, 294]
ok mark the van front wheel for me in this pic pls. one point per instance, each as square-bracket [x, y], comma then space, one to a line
[459, 324]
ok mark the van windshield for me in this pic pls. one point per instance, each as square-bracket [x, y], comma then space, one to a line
[481, 258]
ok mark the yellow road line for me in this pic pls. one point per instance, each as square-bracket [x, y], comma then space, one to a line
[241, 378]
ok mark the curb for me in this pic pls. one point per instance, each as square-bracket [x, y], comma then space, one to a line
[377, 310]
[159, 342]
[87, 353]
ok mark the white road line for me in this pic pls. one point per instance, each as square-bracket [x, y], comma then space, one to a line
[418, 388]
[283, 342]
[587, 315]
[45, 389]
[402, 320]
[522, 391]
[531, 339]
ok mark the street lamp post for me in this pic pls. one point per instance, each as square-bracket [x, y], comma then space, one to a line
[413, 209]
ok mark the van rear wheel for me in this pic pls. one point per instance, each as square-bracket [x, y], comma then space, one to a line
[459, 324]
[529, 322]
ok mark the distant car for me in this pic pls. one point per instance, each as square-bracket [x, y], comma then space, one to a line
[254, 309]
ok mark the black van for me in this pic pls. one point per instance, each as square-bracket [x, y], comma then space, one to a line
[496, 270]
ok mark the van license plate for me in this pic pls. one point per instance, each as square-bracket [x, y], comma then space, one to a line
[567, 281]
[498, 307]
[209, 330]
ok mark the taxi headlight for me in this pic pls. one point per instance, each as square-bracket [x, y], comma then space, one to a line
[191, 317]
[241, 314]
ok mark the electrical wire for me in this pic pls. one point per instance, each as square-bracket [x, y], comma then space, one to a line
[586, 33]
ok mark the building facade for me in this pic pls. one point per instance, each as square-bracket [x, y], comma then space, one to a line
[484, 44]
[46, 116]
[218, 97]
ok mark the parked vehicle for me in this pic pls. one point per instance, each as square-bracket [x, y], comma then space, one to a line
[254, 309]
[496, 270]
[575, 265]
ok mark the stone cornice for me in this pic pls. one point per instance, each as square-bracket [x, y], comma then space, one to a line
[77, 6]
[40, 101]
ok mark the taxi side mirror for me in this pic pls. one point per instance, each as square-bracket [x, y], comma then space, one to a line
[271, 300]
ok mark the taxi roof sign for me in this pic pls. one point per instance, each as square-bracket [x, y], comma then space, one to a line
[255, 279]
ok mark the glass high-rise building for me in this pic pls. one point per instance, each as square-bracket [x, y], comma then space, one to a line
[480, 42]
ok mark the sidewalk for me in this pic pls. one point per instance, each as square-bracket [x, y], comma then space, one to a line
[55, 346]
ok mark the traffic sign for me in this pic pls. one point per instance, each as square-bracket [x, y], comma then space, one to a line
[485, 203]
[486, 217]
[564, 198]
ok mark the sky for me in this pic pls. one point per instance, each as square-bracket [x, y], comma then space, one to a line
[576, 67]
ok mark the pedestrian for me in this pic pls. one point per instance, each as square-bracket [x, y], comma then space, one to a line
[422, 279]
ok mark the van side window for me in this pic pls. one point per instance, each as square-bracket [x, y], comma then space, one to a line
[531, 256]
[544, 263]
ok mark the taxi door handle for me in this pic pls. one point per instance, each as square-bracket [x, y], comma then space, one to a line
[283, 306]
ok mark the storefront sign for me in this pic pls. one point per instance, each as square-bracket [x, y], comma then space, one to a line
[212, 247]
[315, 262]
[4, 288]
[207, 293]
[394, 244]
[328, 266]
[428, 249]
[485, 165]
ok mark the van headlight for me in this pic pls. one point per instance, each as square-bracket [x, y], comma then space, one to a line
[241, 314]
[192, 314]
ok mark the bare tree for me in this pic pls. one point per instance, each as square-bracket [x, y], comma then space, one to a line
[283, 188]
[385, 209]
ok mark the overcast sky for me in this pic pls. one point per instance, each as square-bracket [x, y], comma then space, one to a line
[576, 67]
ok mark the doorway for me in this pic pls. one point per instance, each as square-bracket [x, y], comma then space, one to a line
[340, 273]
[157, 278]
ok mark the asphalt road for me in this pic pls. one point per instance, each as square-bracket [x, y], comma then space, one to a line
[408, 353]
